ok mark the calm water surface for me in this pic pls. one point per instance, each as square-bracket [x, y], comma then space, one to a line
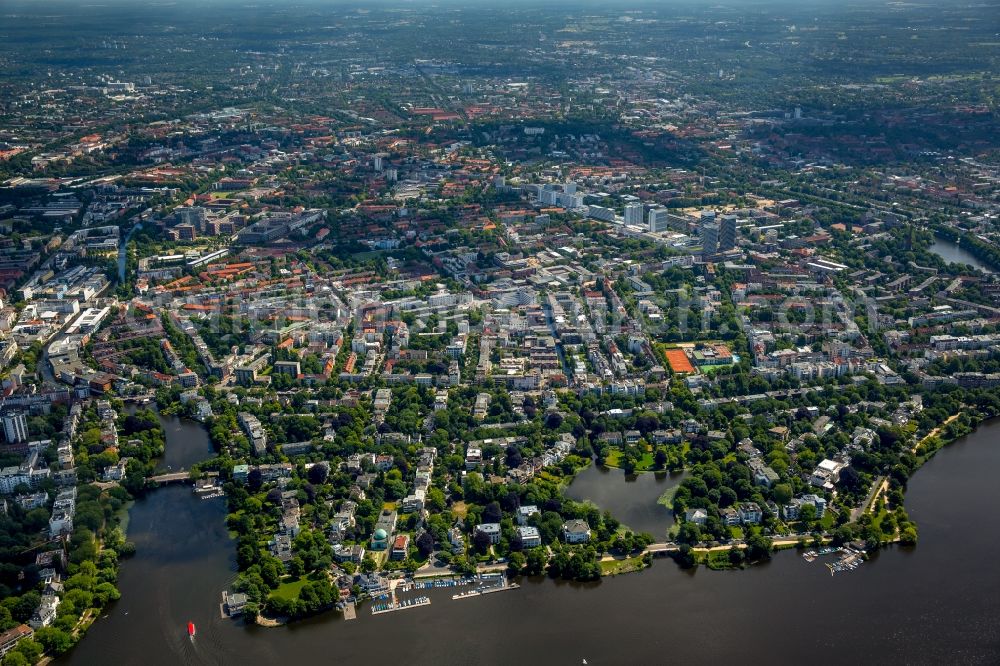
[938, 603]
[955, 253]
[631, 499]
[187, 441]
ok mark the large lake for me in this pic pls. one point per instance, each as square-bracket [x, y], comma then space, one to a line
[937, 603]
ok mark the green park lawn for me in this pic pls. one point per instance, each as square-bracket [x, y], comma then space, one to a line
[644, 464]
[627, 565]
[289, 589]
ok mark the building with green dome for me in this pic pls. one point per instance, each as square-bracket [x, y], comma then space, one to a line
[380, 540]
[385, 526]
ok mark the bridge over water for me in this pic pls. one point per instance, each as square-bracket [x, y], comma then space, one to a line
[182, 476]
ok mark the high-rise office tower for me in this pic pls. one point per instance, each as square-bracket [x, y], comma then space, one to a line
[658, 219]
[633, 214]
[727, 233]
[709, 232]
[15, 427]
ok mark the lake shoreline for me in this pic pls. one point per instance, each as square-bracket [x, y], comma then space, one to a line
[786, 575]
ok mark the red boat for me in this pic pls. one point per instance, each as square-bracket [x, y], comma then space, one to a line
[191, 629]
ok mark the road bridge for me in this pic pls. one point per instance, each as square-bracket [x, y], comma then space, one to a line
[183, 476]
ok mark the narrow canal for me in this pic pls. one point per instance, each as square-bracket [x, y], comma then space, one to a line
[937, 603]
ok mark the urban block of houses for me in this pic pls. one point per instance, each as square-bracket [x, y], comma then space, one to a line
[525, 512]
[63, 510]
[576, 531]
[116, 472]
[255, 432]
[827, 474]
[344, 553]
[457, 541]
[10, 638]
[750, 513]
[372, 584]
[763, 475]
[342, 521]
[697, 516]
[281, 547]
[730, 516]
[473, 458]
[793, 509]
[400, 547]
[492, 530]
[45, 614]
[530, 536]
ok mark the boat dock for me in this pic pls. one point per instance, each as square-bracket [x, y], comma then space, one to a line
[389, 602]
[208, 488]
[485, 590]
[378, 609]
[500, 585]
[850, 559]
[849, 562]
[437, 583]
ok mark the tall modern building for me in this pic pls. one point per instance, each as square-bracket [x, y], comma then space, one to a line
[633, 214]
[601, 213]
[15, 427]
[659, 219]
[727, 233]
[709, 232]
[193, 215]
[548, 195]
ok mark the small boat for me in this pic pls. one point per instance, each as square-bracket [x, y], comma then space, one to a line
[191, 630]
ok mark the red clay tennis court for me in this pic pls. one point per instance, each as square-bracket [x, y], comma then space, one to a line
[678, 360]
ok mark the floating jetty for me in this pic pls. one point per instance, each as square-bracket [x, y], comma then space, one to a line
[850, 559]
[500, 585]
[440, 583]
[487, 583]
[378, 609]
[849, 562]
[478, 592]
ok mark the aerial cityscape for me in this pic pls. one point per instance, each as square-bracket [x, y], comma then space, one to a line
[599, 333]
